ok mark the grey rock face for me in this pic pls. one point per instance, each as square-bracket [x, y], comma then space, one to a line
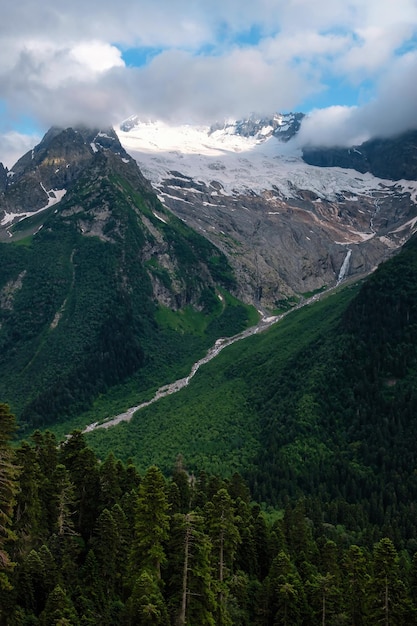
[54, 164]
[281, 126]
[280, 247]
[3, 178]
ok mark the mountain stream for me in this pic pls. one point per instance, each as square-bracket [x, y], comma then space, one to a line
[219, 345]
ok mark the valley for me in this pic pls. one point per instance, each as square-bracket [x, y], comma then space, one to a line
[212, 353]
[138, 492]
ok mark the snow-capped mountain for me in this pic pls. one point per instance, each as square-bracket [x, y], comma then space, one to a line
[286, 225]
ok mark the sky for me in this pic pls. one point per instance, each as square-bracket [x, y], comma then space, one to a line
[350, 65]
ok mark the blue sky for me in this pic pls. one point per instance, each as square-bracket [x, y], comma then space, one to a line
[350, 64]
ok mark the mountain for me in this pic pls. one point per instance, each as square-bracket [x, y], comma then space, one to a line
[393, 158]
[102, 290]
[287, 226]
[108, 291]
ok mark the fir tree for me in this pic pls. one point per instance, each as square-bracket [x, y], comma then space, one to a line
[387, 594]
[151, 525]
[8, 490]
[146, 606]
[225, 538]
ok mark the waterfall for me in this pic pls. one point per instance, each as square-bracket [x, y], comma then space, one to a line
[345, 267]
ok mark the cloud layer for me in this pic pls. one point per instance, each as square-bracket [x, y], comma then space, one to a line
[63, 63]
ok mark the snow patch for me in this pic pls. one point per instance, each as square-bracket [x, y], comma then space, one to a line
[167, 195]
[101, 134]
[410, 224]
[54, 196]
[159, 217]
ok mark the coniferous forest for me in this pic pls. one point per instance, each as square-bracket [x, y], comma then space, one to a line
[84, 542]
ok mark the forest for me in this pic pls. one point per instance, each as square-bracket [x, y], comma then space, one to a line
[89, 541]
[323, 405]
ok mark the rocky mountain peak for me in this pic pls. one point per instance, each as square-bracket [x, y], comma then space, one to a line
[282, 126]
[288, 226]
[3, 178]
[53, 165]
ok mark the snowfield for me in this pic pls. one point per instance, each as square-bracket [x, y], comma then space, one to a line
[241, 164]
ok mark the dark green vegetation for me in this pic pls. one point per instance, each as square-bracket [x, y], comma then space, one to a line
[84, 543]
[214, 422]
[324, 404]
[87, 303]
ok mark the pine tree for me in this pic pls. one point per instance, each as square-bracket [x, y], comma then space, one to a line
[284, 600]
[64, 543]
[90, 594]
[110, 490]
[83, 468]
[146, 605]
[246, 558]
[105, 543]
[387, 595]
[225, 538]
[124, 539]
[413, 580]
[59, 610]
[190, 585]
[28, 515]
[151, 525]
[8, 491]
[261, 536]
[31, 590]
[64, 502]
[46, 451]
[356, 582]
[323, 591]
[180, 478]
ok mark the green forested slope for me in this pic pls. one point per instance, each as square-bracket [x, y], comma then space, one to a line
[78, 314]
[323, 404]
[217, 422]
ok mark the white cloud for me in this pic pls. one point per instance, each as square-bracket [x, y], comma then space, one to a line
[375, 47]
[393, 111]
[14, 145]
[61, 61]
[97, 56]
[181, 86]
[332, 126]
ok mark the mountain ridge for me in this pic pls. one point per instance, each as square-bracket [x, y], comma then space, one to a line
[393, 158]
[286, 227]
